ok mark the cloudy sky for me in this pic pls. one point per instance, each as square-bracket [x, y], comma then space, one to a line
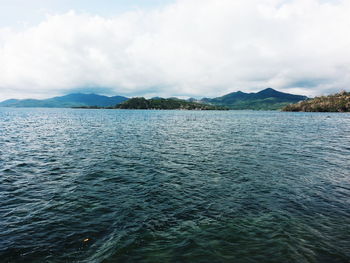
[187, 48]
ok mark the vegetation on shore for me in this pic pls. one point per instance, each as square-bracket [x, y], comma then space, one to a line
[166, 104]
[339, 102]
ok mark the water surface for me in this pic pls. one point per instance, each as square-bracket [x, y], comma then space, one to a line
[174, 186]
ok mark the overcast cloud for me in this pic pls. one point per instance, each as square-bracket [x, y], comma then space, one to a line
[188, 48]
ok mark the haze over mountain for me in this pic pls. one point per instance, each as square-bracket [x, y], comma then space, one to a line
[67, 101]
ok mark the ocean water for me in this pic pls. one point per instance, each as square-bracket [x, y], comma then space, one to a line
[174, 186]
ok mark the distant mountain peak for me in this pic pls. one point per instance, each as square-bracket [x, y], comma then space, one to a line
[268, 90]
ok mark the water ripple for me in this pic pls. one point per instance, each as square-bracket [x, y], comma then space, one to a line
[173, 186]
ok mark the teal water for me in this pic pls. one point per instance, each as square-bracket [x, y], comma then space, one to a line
[174, 186]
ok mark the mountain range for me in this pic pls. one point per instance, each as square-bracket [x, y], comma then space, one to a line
[267, 99]
[67, 101]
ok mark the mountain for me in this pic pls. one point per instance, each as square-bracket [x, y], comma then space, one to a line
[166, 104]
[267, 99]
[339, 102]
[67, 101]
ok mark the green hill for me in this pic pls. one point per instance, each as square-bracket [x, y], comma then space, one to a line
[339, 102]
[267, 99]
[166, 104]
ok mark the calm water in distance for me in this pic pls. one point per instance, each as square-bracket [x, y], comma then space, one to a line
[174, 186]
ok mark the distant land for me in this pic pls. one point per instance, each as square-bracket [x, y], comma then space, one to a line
[339, 102]
[267, 99]
[166, 104]
[67, 101]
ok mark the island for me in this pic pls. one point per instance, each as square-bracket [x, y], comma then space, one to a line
[339, 102]
[141, 103]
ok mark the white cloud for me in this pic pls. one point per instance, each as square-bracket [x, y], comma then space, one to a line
[189, 48]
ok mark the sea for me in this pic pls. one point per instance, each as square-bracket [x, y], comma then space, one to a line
[79, 185]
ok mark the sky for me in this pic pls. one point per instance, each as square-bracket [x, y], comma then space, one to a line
[184, 48]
